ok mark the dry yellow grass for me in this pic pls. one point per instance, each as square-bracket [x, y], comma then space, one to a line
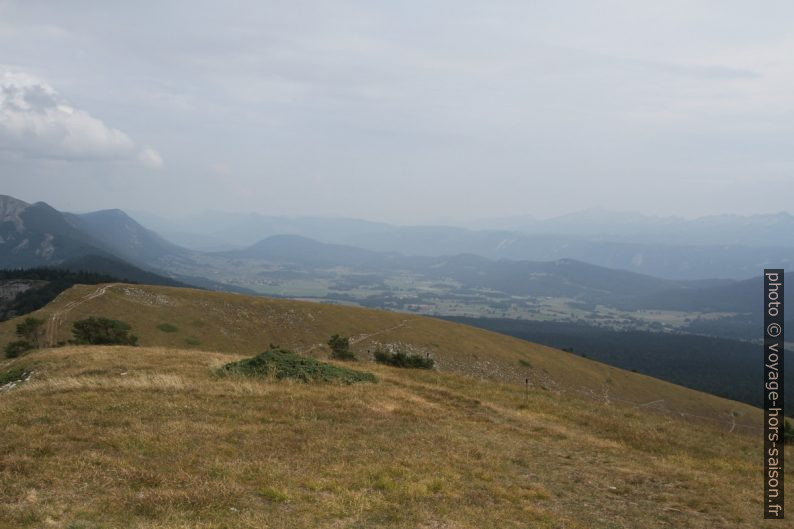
[150, 437]
[213, 321]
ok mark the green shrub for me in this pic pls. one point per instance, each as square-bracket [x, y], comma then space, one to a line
[32, 331]
[282, 364]
[340, 348]
[192, 341]
[401, 359]
[102, 331]
[12, 375]
[14, 349]
[167, 327]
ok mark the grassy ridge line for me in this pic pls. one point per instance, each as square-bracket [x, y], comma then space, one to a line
[151, 437]
[214, 321]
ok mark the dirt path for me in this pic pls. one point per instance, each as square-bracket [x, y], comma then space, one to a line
[55, 321]
[362, 337]
[659, 406]
[356, 339]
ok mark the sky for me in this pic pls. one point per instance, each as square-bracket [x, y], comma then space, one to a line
[408, 112]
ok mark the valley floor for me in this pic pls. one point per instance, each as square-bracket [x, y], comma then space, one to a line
[111, 437]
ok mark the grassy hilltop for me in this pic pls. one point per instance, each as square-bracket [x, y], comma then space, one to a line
[153, 437]
[212, 321]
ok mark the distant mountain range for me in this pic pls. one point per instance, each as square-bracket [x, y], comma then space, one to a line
[775, 229]
[34, 235]
[119, 234]
[728, 247]
[38, 235]
[298, 250]
[560, 278]
[218, 231]
[107, 242]
[715, 287]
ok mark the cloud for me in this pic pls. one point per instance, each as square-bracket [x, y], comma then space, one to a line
[150, 158]
[38, 123]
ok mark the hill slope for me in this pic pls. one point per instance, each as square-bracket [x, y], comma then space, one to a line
[239, 324]
[151, 438]
[25, 290]
[719, 366]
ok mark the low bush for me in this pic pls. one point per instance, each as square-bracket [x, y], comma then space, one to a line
[283, 364]
[340, 348]
[167, 327]
[401, 359]
[14, 349]
[102, 331]
[15, 374]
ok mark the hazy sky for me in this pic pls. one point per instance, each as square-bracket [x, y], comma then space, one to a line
[405, 111]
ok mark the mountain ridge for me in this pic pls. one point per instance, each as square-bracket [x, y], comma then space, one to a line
[729, 247]
[35, 235]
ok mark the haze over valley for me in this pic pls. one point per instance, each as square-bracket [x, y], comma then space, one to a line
[395, 265]
[620, 316]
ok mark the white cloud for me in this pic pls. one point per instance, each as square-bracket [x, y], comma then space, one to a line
[39, 123]
[150, 158]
